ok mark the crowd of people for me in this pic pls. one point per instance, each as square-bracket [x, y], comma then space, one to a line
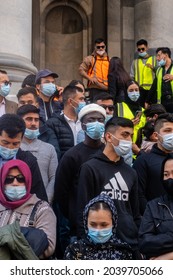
[87, 172]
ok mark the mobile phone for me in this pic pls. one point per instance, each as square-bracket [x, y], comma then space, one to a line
[138, 114]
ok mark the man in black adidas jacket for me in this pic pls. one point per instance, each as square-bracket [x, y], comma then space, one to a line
[107, 173]
[12, 128]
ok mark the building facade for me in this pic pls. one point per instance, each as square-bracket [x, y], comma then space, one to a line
[57, 34]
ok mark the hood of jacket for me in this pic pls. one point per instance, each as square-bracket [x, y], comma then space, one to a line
[101, 198]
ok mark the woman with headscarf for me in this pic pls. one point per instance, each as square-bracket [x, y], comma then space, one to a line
[156, 229]
[17, 204]
[132, 110]
[100, 242]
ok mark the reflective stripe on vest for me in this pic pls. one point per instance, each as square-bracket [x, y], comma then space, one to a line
[99, 69]
[159, 75]
[143, 74]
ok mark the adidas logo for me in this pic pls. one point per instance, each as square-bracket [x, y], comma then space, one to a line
[117, 188]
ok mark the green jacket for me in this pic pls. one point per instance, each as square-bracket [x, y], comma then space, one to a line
[13, 244]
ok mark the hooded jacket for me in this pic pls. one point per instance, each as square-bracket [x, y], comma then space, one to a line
[119, 181]
[86, 249]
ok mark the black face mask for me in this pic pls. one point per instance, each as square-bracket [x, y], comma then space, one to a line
[168, 186]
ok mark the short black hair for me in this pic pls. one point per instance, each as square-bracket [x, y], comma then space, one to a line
[3, 72]
[115, 122]
[154, 109]
[70, 92]
[29, 81]
[102, 96]
[142, 42]
[99, 40]
[26, 109]
[164, 50]
[148, 129]
[26, 90]
[12, 124]
[167, 117]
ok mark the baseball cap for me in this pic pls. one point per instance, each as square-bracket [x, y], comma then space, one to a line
[44, 73]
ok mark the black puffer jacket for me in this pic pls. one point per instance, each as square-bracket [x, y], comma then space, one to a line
[63, 132]
[156, 230]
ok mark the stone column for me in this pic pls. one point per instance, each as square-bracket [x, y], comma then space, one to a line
[153, 22]
[16, 41]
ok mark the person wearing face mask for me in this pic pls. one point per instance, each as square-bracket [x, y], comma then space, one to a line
[6, 106]
[106, 172]
[12, 128]
[161, 91]
[156, 229]
[94, 69]
[132, 110]
[44, 152]
[66, 125]
[100, 241]
[92, 118]
[47, 91]
[17, 203]
[148, 165]
[143, 69]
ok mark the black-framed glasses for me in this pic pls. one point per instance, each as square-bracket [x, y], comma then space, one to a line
[141, 49]
[99, 47]
[10, 179]
[109, 107]
[6, 83]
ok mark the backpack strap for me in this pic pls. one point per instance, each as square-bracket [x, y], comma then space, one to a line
[34, 210]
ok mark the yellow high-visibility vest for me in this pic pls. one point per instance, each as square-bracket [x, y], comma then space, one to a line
[124, 111]
[159, 75]
[143, 74]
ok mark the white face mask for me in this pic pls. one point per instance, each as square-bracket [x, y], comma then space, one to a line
[100, 52]
[123, 147]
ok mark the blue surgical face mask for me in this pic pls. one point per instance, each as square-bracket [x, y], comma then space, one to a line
[4, 90]
[100, 235]
[80, 106]
[95, 130]
[142, 54]
[162, 62]
[31, 134]
[15, 192]
[6, 153]
[133, 95]
[48, 89]
[167, 141]
[123, 148]
[108, 117]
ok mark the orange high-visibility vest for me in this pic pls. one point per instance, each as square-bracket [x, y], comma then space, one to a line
[99, 69]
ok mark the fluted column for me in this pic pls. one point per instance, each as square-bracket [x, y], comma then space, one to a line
[153, 22]
[16, 40]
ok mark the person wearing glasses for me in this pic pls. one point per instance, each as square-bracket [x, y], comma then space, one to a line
[105, 100]
[143, 69]
[6, 106]
[94, 69]
[16, 207]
